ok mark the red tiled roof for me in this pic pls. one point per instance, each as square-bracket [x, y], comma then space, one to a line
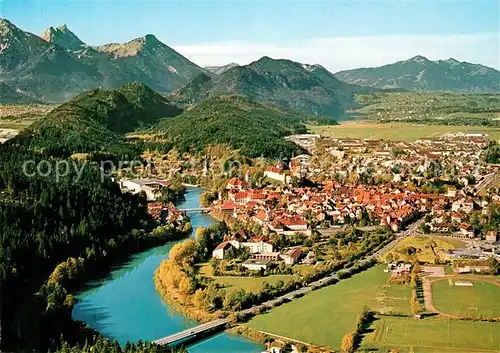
[274, 170]
[295, 253]
[223, 245]
[228, 205]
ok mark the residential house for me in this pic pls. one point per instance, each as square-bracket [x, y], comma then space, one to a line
[220, 251]
[467, 230]
[291, 257]
[492, 236]
[256, 265]
[277, 173]
[235, 183]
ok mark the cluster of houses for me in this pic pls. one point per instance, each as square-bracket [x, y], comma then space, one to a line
[393, 202]
[457, 215]
[262, 251]
[291, 210]
[453, 154]
[166, 213]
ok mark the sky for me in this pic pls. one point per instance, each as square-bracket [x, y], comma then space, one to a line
[336, 34]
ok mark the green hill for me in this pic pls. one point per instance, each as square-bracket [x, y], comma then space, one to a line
[420, 73]
[239, 121]
[95, 121]
[309, 89]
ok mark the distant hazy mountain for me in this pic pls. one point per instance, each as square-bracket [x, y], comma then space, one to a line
[219, 70]
[419, 73]
[306, 88]
[58, 65]
[9, 95]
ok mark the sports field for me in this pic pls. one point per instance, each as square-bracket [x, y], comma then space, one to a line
[396, 131]
[483, 299]
[324, 316]
[433, 335]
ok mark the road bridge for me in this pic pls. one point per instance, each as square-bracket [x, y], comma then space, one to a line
[192, 332]
[196, 209]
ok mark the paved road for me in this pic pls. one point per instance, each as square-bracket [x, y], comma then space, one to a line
[333, 277]
[193, 331]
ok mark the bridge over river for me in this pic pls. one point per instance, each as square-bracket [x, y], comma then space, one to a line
[192, 332]
[197, 209]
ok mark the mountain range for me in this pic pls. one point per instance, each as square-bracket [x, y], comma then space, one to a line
[309, 89]
[94, 123]
[219, 70]
[422, 74]
[57, 65]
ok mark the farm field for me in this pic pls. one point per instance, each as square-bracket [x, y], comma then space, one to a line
[480, 300]
[396, 131]
[431, 108]
[250, 284]
[329, 312]
[421, 245]
[18, 117]
[433, 335]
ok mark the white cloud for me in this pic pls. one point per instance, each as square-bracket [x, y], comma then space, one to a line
[340, 53]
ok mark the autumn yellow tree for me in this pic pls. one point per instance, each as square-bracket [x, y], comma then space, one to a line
[348, 343]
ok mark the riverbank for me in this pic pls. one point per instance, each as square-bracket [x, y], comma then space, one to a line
[74, 274]
[186, 308]
[126, 306]
[272, 340]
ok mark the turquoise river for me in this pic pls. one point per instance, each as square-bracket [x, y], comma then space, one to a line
[125, 306]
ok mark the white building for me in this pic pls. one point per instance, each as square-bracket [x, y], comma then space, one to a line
[151, 187]
[277, 174]
[258, 245]
[220, 251]
[255, 264]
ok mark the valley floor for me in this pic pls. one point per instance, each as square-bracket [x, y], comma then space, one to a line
[396, 131]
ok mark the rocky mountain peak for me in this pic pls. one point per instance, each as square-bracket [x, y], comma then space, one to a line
[63, 37]
[452, 61]
[7, 27]
[420, 59]
[5, 23]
